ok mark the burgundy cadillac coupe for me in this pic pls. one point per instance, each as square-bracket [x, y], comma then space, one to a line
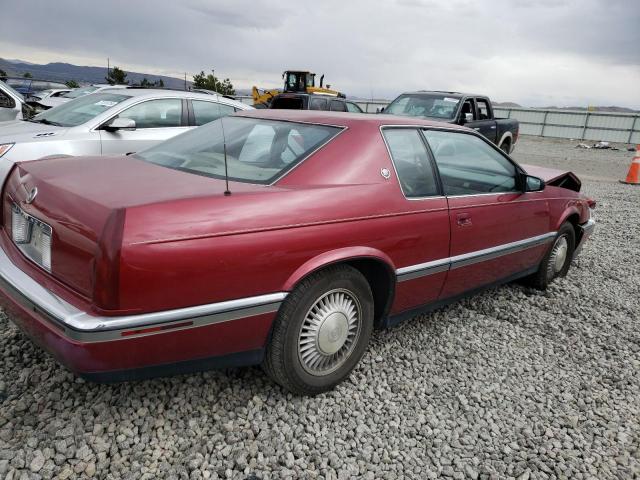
[331, 225]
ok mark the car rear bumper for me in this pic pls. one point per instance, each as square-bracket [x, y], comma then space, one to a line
[118, 348]
[584, 232]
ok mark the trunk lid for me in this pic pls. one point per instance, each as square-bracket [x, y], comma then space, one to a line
[84, 200]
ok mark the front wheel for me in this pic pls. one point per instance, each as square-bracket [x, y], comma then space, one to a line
[557, 260]
[321, 332]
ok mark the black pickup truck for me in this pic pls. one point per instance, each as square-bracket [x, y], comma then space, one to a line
[473, 111]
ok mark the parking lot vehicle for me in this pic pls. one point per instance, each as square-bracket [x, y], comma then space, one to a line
[50, 93]
[30, 86]
[295, 81]
[54, 101]
[112, 121]
[303, 101]
[473, 111]
[330, 225]
[12, 104]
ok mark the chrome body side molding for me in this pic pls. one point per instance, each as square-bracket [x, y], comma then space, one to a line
[436, 266]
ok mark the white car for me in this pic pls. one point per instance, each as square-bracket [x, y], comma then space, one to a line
[12, 104]
[46, 94]
[114, 121]
[51, 102]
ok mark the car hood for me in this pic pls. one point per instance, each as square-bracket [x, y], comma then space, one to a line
[554, 177]
[22, 131]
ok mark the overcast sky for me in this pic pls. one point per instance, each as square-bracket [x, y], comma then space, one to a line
[534, 52]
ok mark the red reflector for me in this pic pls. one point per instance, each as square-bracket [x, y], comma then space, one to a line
[159, 328]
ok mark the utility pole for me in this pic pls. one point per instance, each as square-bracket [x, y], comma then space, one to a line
[215, 87]
[108, 67]
[185, 81]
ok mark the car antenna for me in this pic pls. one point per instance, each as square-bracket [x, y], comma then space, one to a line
[227, 192]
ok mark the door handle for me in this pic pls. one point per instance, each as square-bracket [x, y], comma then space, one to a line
[464, 220]
[493, 127]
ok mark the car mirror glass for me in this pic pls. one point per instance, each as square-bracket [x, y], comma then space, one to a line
[533, 184]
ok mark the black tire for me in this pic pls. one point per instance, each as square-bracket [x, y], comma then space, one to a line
[549, 270]
[284, 361]
[505, 147]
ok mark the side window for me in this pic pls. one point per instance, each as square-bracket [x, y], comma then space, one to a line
[353, 107]
[156, 113]
[483, 109]
[467, 107]
[468, 165]
[205, 112]
[318, 104]
[409, 154]
[337, 106]
[6, 101]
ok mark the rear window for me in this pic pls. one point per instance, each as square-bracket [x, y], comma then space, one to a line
[288, 103]
[318, 104]
[257, 150]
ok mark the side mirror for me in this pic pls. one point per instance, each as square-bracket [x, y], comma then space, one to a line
[466, 118]
[533, 184]
[120, 124]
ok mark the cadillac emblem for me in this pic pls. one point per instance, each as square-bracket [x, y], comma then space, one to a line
[32, 195]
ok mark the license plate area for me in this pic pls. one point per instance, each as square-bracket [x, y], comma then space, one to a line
[32, 236]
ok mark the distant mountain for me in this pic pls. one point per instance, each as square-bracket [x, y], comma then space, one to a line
[62, 72]
[506, 104]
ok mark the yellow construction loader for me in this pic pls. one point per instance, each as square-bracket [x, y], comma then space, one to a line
[294, 81]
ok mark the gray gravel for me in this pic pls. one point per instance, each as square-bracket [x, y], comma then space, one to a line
[513, 383]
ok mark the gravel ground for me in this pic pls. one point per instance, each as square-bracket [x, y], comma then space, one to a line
[513, 383]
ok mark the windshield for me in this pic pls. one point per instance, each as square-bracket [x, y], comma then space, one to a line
[80, 110]
[79, 92]
[258, 151]
[6, 86]
[429, 105]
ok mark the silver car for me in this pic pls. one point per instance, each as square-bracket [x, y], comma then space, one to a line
[12, 104]
[109, 122]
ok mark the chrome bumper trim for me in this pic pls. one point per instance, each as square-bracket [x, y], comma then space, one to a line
[429, 268]
[82, 326]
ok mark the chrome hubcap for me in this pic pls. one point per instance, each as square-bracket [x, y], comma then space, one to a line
[558, 256]
[329, 332]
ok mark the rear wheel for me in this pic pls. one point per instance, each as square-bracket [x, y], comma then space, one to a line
[505, 147]
[321, 332]
[557, 261]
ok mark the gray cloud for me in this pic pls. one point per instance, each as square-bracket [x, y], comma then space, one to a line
[529, 51]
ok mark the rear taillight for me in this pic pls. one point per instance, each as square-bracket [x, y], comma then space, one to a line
[106, 275]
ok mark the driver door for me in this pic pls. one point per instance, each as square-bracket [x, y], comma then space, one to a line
[496, 230]
[156, 120]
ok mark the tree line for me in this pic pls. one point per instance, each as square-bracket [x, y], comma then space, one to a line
[117, 76]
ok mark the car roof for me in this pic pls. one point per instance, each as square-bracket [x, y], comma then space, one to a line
[164, 92]
[343, 119]
[440, 92]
